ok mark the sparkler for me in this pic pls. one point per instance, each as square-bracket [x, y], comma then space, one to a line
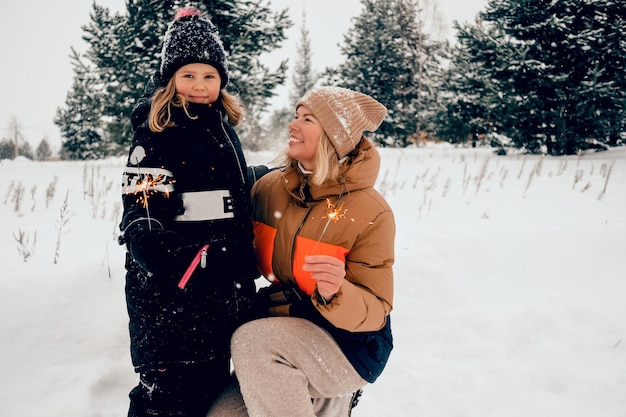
[147, 187]
[334, 212]
[146, 182]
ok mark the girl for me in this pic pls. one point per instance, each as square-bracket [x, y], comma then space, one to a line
[186, 223]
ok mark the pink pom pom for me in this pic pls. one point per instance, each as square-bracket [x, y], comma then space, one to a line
[186, 11]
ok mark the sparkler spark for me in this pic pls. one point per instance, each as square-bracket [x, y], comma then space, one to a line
[145, 182]
[334, 212]
[147, 186]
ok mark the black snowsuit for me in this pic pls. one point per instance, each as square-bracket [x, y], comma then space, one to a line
[186, 197]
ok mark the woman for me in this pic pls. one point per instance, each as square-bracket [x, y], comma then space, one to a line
[186, 223]
[324, 237]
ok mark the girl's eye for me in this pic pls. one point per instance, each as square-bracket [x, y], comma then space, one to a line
[210, 76]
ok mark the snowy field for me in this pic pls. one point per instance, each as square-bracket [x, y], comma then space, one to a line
[510, 287]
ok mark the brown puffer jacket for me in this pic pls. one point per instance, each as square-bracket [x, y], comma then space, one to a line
[291, 220]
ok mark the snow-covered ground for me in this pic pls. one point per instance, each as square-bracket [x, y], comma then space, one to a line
[510, 287]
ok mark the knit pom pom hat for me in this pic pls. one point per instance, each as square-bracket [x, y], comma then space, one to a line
[192, 38]
[344, 115]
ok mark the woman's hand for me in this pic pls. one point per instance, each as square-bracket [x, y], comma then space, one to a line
[328, 271]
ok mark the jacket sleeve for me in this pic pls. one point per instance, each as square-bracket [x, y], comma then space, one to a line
[150, 206]
[256, 172]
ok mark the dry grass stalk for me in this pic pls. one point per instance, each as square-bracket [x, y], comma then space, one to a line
[25, 247]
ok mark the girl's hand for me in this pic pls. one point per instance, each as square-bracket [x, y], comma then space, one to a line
[328, 271]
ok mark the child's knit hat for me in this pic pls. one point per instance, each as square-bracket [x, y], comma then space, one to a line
[344, 115]
[192, 38]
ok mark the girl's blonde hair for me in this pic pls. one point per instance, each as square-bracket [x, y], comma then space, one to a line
[327, 163]
[166, 97]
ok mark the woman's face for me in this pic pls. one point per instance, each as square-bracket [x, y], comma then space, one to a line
[305, 133]
[198, 83]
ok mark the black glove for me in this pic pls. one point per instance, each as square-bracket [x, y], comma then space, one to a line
[156, 250]
[276, 300]
[257, 171]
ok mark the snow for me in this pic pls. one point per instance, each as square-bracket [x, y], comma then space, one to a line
[510, 289]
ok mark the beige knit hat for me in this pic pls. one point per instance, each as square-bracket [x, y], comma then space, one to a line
[344, 115]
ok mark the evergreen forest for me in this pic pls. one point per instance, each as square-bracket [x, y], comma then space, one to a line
[539, 76]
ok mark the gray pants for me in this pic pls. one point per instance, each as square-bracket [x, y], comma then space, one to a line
[287, 367]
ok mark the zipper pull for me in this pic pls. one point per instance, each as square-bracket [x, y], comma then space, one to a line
[203, 258]
[200, 256]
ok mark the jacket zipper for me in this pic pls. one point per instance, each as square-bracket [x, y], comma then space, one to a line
[200, 258]
[293, 282]
[232, 146]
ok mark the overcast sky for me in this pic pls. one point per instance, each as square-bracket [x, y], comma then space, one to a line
[36, 37]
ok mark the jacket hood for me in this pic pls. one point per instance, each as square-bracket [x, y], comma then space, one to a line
[358, 173]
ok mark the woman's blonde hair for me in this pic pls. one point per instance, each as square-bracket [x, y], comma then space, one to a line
[166, 97]
[327, 163]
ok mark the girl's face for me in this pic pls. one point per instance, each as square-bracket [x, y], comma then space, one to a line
[305, 133]
[198, 83]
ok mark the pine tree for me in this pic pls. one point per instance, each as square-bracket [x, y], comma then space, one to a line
[80, 121]
[390, 58]
[556, 70]
[25, 149]
[469, 98]
[43, 152]
[7, 149]
[304, 77]
[125, 50]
